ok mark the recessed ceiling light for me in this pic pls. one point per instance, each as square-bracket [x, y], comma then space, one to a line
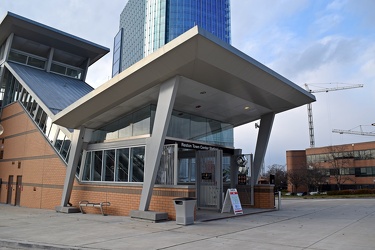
[203, 92]
[247, 108]
[198, 106]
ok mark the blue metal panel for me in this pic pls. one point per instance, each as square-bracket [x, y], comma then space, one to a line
[55, 91]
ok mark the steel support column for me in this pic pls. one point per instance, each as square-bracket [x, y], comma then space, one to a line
[154, 144]
[266, 122]
[75, 151]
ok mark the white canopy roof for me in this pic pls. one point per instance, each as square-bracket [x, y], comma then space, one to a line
[218, 82]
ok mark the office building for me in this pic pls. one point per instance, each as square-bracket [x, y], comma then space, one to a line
[342, 167]
[146, 25]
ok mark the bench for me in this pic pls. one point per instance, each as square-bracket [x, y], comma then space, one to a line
[93, 204]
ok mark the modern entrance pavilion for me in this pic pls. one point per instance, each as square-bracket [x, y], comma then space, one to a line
[161, 129]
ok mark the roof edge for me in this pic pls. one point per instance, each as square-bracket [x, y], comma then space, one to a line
[24, 19]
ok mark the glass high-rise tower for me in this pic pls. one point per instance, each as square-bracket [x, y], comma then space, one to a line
[146, 25]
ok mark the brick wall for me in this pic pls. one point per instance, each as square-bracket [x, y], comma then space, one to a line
[28, 154]
[263, 196]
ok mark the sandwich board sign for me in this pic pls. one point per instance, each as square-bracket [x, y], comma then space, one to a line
[232, 200]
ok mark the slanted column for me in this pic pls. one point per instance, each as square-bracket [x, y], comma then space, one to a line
[266, 122]
[8, 45]
[75, 151]
[50, 58]
[154, 144]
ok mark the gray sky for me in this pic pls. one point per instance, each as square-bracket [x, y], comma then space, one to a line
[306, 41]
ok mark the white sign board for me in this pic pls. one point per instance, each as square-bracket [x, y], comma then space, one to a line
[232, 200]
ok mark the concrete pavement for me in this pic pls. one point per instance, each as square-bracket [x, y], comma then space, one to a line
[300, 224]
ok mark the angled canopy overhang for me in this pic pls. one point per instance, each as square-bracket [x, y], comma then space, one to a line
[49, 36]
[217, 82]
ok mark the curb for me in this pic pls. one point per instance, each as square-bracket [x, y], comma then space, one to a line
[33, 245]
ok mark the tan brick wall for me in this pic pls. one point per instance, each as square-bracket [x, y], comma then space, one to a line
[43, 174]
[28, 154]
[126, 198]
[263, 196]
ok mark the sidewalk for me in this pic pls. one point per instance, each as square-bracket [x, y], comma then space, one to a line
[300, 224]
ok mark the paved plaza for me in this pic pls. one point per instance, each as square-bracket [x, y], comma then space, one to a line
[299, 224]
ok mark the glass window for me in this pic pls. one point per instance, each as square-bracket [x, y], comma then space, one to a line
[120, 165]
[109, 165]
[141, 122]
[16, 57]
[186, 170]
[97, 165]
[197, 128]
[86, 171]
[137, 163]
[352, 171]
[73, 73]
[363, 171]
[52, 131]
[38, 114]
[59, 140]
[36, 62]
[122, 170]
[179, 125]
[58, 68]
[33, 108]
[43, 121]
[369, 171]
[64, 152]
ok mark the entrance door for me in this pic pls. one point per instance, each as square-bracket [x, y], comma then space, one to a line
[10, 186]
[18, 190]
[209, 179]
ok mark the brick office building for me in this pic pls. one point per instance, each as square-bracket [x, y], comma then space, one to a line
[347, 166]
[143, 138]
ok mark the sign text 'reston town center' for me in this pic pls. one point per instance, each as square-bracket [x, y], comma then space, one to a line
[197, 146]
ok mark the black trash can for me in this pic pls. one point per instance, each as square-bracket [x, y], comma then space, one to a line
[184, 210]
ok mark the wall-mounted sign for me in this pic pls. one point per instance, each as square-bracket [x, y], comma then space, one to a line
[206, 176]
[242, 179]
[197, 146]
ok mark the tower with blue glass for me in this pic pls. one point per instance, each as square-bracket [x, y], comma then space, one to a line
[146, 25]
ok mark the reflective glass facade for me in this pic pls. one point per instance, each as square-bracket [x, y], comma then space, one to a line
[182, 126]
[211, 15]
[155, 25]
[116, 68]
[146, 25]
[132, 22]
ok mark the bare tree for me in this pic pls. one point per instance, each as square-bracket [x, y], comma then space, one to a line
[297, 178]
[280, 174]
[339, 160]
[315, 176]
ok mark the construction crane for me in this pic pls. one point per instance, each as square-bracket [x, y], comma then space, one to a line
[309, 106]
[356, 132]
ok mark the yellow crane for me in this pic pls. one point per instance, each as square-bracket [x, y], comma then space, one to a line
[333, 87]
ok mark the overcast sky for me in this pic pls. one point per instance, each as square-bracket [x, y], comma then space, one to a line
[306, 41]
